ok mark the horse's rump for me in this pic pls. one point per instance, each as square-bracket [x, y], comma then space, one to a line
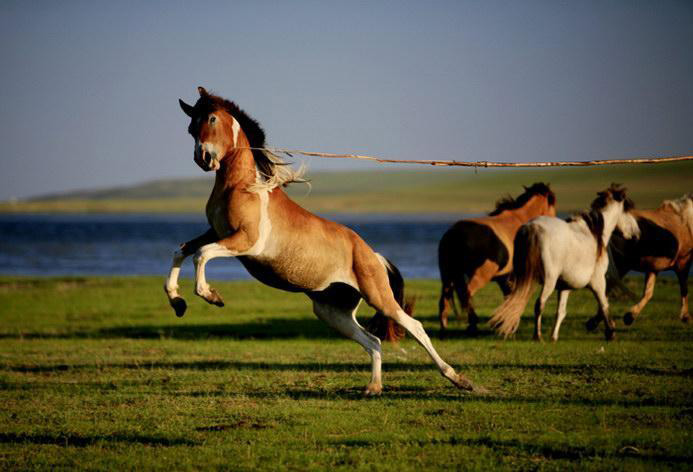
[466, 246]
[381, 326]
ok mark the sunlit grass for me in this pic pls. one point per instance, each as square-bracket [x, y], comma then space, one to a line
[99, 373]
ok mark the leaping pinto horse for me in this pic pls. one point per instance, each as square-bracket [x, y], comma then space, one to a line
[565, 255]
[280, 243]
[477, 250]
[665, 243]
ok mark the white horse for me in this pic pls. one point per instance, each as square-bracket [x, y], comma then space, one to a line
[566, 255]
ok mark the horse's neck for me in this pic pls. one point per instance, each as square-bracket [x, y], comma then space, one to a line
[237, 170]
[610, 214]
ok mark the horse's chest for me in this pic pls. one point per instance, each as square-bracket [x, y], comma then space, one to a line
[217, 216]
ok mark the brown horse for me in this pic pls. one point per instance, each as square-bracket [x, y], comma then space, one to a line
[665, 243]
[475, 251]
[280, 243]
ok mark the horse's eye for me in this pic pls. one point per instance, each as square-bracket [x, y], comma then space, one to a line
[212, 119]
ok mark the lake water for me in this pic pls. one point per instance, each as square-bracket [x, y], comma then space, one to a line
[90, 244]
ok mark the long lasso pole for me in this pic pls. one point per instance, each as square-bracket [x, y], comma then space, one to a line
[644, 160]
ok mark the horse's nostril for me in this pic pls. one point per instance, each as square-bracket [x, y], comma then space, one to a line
[207, 158]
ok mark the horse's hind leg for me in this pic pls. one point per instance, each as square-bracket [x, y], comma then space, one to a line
[375, 289]
[343, 319]
[477, 281]
[540, 304]
[648, 291]
[682, 275]
[560, 312]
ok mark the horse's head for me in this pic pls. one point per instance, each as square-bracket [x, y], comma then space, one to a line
[549, 203]
[614, 199]
[214, 129]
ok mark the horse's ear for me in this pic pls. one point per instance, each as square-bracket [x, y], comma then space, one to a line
[202, 91]
[187, 109]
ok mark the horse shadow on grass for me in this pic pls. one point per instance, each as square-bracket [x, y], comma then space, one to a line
[567, 452]
[271, 327]
[75, 440]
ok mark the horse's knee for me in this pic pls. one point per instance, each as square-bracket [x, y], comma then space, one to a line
[199, 257]
[178, 257]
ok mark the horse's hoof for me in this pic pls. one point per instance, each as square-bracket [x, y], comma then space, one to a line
[685, 318]
[373, 390]
[472, 330]
[215, 298]
[628, 319]
[179, 306]
[463, 383]
[610, 335]
[212, 297]
[592, 324]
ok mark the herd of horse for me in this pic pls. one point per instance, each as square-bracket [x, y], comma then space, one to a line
[519, 243]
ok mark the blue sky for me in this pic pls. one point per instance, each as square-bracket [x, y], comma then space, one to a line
[89, 89]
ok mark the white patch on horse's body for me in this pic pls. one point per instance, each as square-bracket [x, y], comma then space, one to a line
[264, 226]
[235, 127]
[684, 208]
[383, 261]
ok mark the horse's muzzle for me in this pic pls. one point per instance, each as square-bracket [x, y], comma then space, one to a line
[205, 159]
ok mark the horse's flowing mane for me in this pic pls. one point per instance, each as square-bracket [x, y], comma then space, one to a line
[510, 203]
[683, 207]
[594, 218]
[273, 171]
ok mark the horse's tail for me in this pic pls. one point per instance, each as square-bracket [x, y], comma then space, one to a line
[527, 267]
[380, 325]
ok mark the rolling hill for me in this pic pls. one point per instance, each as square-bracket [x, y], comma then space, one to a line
[432, 190]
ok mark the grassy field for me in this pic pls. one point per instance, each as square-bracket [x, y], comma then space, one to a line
[97, 373]
[443, 190]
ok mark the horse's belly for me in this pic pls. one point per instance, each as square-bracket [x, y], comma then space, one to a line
[576, 272]
[266, 273]
[297, 274]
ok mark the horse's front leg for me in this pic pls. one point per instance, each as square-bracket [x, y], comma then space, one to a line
[238, 244]
[171, 285]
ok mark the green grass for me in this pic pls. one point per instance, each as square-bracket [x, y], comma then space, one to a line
[97, 373]
[443, 190]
